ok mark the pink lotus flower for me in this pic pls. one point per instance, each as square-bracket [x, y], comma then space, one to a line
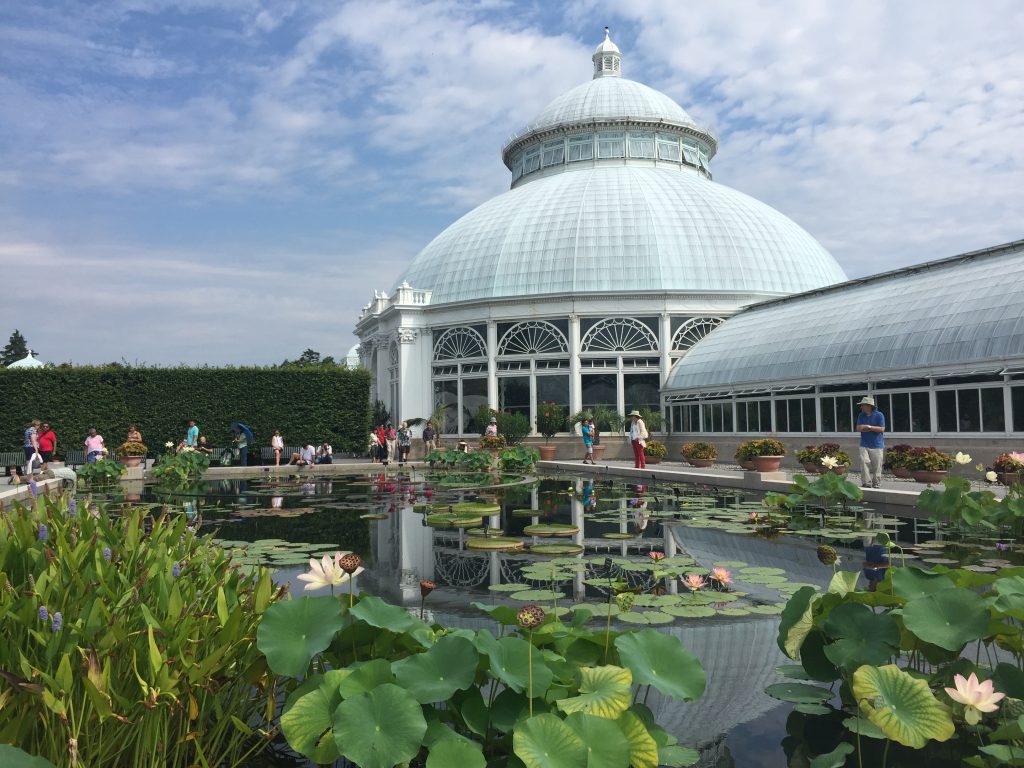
[428, 493]
[752, 517]
[656, 556]
[695, 581]
[976, 697]
[722, 576]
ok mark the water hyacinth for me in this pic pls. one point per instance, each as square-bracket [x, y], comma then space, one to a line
[34, 487]
[107, 554]
[44, 615]
[73, 505]
[58, 622]
[176, 570]
[42, 534]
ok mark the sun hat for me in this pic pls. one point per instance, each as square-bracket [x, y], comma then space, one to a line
[867, 401]
[494, 419]
[633, 413]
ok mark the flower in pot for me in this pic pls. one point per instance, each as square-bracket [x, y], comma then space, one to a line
[655, 451]
[929, 465]
[896, 460]
[699, 454]
[133, 452]
[492, 443]
[765, 453]
[550, 421]
[1009, 467]
[744, 455]
[837, 461]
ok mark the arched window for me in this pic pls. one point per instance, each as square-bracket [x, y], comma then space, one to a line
[459, 344]
[620, 334]
[532, 338]
[692, 331]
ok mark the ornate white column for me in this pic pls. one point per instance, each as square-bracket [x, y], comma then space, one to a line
[413, 398]
[492, 364]
[575, 379]
[665, 345]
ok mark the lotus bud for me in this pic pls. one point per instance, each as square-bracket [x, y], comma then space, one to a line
[656, 556]
[827, 555]
[426, 587]
[530, 616]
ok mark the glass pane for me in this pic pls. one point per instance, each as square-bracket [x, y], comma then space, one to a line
[945, 404]
[741, 416]
[781, 422]
[642, 391]
[969, 410]
[920, 412]
[844, 414]
[810, 422]
[1017, 400]
[727, 425]
[992, 417]
[899, 414]
[514, 394]
[766, 416]
[828, 414]
[599, 389]
[474, 394]
[553, 389]
[447, 392]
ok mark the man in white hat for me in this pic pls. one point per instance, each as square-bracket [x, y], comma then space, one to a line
[638, 439]
[871, 425]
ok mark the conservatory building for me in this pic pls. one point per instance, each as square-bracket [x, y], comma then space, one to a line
[610, 256]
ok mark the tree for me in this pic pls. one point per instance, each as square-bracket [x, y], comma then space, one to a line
[311, 358]
[16, 349]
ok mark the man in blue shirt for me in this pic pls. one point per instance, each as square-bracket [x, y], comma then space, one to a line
[192, 434]
[871, 425]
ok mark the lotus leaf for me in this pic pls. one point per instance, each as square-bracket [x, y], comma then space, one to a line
[910, 583]
[365, 676]
[381, 728]
[798, 693]
[902, 706]
[545, 741]
[1010, 599]
[950, 618]
[834, 759]
[643, 750]
[294, 631]
[604, 692]
[862, 636]
[661, 660]
[12, 757]
[796, 621]
[676, 756]
[606, 747]
[308, 723]
[509, 662]
[449, 752]
[436, 675]
[378, 613]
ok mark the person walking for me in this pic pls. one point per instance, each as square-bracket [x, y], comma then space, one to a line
[391, 439]
[428, 438]
[638, 439]
[192, 434]
[94, 448]
[277, 444]
[31, 445]
[588, 441]
[871, 425]
[47, 445]
[404, 442]
[374, 447]
[382, 444]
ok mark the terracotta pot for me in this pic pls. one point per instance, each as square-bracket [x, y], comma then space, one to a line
[767, 463]
[748, 464]
[927, 476]
[703, 463]
[1009, 478]
[132, 461]
[598, 452]
[652, 459]
[811, 469]
[840, 470]
[903, 473]
[547, 452]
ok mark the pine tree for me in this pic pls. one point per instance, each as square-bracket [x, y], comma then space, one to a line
[16, 349]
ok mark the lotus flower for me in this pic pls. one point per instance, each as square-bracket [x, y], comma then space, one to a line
[428, 493]
[722, 576]
[169, 444]
[695, 581]
[829, 462]
[656, 556]
[962, 458]
[530, 616]
[976, 697]
[324, 573]
[991, 476]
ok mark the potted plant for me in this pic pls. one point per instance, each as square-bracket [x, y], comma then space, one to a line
[655, 451]
[810, 458]
[132, 453]
[605, 419]
[929, 465]
[1009, 467]
[765, 454]
[550, 421]
[833, 459]
[699, 454]
[896, 459]
[492, 443]
[743, 455]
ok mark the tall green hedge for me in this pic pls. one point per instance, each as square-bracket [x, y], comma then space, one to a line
[321, 403]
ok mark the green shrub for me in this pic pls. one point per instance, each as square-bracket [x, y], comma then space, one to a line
[132, 636]
[492, 442]
[514, 427]
[655, 449]
[764, 446]
[100, 472]
[330, 404]
[699, 450]
[550, 419]
[518, 459]
[928, 460]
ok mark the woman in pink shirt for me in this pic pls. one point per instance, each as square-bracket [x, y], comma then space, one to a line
[94, 448]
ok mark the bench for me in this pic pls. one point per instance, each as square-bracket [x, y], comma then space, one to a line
[11, 459]
[74, 458]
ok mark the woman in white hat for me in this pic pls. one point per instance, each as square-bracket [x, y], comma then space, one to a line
[871, 425]
[638, 439]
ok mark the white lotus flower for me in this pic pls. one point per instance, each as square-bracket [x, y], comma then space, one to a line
[829, 462]
[168, 444]
[991, 476]
[326, 572]
[962, 458]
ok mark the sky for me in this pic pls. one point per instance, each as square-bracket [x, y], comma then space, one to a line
[228, 181]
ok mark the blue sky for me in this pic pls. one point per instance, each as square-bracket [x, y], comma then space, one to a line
[227, 181]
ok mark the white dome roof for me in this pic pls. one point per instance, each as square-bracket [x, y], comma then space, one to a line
[29, 361]
[610, 98]
[620, 228]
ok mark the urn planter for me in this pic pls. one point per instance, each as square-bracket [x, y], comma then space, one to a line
[702, 463]
[903, 473]
[811, 469]
[132, 461]
[767, 463]
[928, 476]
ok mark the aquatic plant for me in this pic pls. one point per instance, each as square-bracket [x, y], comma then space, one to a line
[181, 468]
[100, 472]
[115, 661]
[518, 459]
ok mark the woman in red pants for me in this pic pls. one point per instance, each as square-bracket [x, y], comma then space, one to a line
[638, 439]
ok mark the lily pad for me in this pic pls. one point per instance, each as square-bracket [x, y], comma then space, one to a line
[537, 595]
[494, 544]
[798, 693]
[556, 549]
